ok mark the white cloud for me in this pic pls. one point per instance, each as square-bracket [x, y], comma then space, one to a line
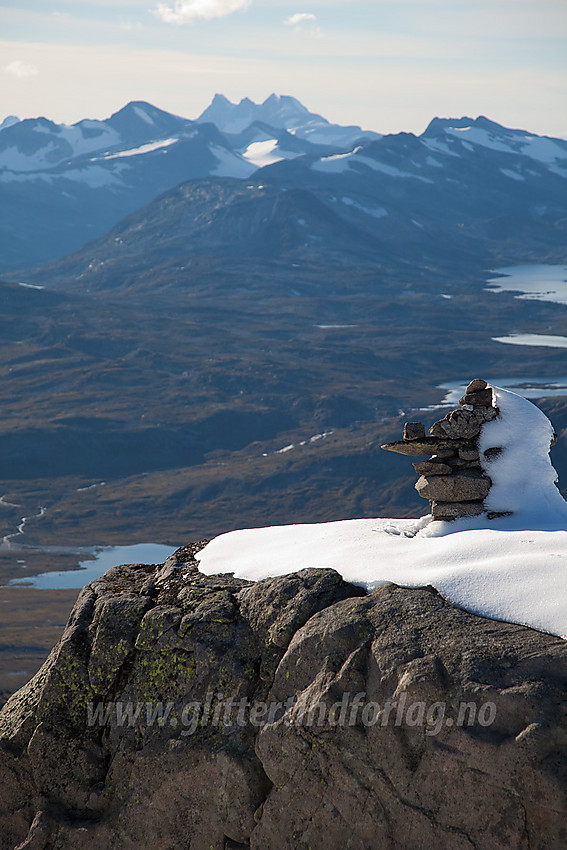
[17, 68]
[304, 22]
[300, 18]
[187, 11]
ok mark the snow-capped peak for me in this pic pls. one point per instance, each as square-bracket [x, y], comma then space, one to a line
[37, 143]
[485, 133]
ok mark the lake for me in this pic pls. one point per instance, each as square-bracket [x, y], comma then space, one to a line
[93, 568]
[538, 282]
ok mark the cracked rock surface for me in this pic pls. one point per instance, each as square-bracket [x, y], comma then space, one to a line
[368, 744]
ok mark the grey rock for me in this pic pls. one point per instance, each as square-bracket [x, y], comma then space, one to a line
[382, 785]
[414, 431]
[440, 446]
[481, 398]
[469, 454]
[115, 625]
[476, 385]
[454, 510]
[276, 608]
[462, 423]
[71, 783]
[327, 769]
[456, 463]
[432, 467]
[462, 486]
[444, 454]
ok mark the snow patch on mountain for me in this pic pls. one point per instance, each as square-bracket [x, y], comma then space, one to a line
[97, 177]
[21, 150]
[390, 170]
[335, 163]
[514, 175]
[543, 149]
[150, 146]
[9, 121]
[13, 159]
[539, 340]
[376, 212]
[142, 113]
[338, 163]
[263, 153]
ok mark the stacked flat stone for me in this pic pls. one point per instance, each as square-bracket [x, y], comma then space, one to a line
[452, 478]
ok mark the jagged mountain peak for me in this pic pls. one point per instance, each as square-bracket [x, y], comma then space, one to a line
[285, 100]
[282, 112]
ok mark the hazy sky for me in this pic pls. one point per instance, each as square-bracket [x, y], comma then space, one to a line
[388, 65]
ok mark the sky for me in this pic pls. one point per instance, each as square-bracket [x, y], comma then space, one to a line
[386, 65]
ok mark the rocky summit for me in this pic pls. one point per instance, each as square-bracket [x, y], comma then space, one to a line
[191, 711]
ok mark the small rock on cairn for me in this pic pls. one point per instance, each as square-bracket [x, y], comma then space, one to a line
[452, 479]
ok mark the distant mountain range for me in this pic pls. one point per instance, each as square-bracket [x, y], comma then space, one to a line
[64, 186]
[466, 194]
[89, 175]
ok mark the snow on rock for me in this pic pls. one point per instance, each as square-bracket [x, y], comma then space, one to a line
[538, 340]
[514, 175]
[141, 113]
[512, 568]
[541, 148]
[337, 162]
[141, 149]
[523, 478]
[263, 153]
[375, 212]
[9, 121]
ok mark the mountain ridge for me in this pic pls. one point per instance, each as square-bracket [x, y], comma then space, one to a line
[445, 199]
[93, 173]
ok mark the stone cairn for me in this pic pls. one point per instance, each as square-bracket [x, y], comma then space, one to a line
[452, 479]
